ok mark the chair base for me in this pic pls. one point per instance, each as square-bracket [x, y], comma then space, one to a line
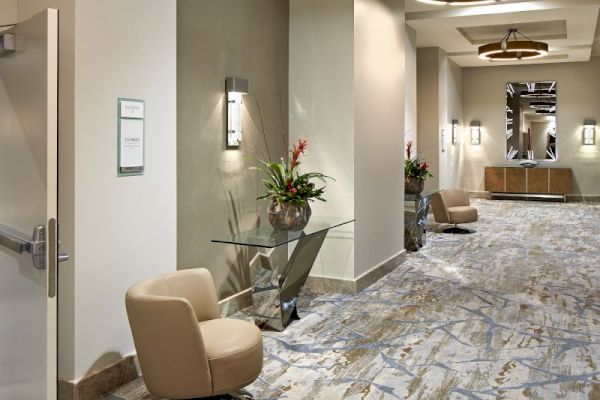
[455, 230]
[240, 394]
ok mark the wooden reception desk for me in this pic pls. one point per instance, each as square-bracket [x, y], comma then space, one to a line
[540, 182]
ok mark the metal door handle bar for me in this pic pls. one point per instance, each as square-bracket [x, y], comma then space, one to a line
[19, 243]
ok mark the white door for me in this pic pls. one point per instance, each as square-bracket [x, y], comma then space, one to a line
[28, 199]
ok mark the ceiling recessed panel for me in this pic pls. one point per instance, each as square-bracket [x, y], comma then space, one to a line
[539, 30]
[567, 26]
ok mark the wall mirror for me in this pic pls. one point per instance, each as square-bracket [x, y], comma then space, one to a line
[531, 121]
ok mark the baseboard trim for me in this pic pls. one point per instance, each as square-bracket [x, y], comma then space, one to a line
[327, 284]
[236, 302]
[571, 198]
[480, 195]
[582, 198]
[379, 271]
[94, 386]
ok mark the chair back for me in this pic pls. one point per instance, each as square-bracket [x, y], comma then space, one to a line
[441, 201]
[163, 315]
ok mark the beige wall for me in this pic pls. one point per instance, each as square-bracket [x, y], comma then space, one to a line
[8, 12]
[379, 30]
[322, 110]
[216, 190]
[450, 160]
[440, 99]
[578, 98]
[410, 114]
[125, 227]
[347, 96]
[429, 99]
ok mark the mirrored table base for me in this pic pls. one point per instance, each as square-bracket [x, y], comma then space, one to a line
[276, 287]
[415, 219]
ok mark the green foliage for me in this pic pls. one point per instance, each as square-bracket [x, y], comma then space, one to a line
[414, 167]
[286, 185]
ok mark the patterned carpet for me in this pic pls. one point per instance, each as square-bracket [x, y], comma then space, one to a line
[509, 312]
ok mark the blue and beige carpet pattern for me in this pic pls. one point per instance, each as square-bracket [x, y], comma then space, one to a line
[509, 312]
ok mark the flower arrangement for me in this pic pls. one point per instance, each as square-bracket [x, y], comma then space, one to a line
[414, 167]
[286, 185]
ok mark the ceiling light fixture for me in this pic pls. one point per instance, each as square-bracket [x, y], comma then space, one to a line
[546, 112]
[513, 50]
[539, 94]
[541, 105]
[459, 2]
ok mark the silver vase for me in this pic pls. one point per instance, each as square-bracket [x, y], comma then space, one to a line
[413, 185]
[289, 217]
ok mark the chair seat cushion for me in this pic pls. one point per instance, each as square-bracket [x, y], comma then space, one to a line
[235, 353]
[462, 214]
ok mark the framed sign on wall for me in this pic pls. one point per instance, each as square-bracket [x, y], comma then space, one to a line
[131, 126]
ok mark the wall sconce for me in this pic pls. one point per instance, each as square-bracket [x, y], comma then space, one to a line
[454, 130]
[475, 133]
[443, 139]
[235, 88]
[589, 132]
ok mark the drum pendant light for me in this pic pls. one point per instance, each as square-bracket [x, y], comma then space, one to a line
[513, 48]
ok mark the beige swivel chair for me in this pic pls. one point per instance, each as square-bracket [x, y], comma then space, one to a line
[185, 349]
[452, 206]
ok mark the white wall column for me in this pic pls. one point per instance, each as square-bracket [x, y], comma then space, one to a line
[347, 98]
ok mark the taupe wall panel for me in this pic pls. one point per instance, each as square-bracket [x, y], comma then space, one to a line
[216, 191]
[578, 98]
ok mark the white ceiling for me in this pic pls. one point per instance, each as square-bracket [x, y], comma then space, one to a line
[570, 27]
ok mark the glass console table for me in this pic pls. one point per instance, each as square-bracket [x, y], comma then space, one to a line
[416, 208]
[275, 288]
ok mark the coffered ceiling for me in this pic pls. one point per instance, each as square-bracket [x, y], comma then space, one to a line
[570, 27]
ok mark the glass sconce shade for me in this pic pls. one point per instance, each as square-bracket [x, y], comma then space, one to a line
[235, 88]
[589, 132]
[476, 133]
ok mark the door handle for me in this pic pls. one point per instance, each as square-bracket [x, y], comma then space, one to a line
[17, 242]
[62, 256]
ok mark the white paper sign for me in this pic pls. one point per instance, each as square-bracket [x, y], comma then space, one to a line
[132, 109]
[132, 143]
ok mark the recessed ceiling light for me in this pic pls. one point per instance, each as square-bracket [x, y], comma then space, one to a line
[513, 50]
[459, 2]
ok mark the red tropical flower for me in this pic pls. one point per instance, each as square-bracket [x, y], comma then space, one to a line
[414, 167]
[286, 185]
[297, 150]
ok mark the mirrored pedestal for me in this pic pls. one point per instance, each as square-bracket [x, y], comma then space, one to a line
[276, 286]
[416, 208]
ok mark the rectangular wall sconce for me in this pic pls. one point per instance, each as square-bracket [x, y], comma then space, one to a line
[475, 133]
[7, 44]
[443, 139]
[235, 88]
[589, 132]
[454, 131]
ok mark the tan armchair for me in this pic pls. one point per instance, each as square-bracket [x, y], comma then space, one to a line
[452, 206]
[185, 349]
